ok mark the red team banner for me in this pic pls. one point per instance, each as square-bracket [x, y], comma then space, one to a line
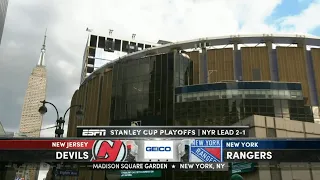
[75, 150]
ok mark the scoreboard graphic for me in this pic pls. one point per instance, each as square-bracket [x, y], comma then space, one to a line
[158, 148]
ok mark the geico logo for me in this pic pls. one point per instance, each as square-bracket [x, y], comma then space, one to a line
[161, 148]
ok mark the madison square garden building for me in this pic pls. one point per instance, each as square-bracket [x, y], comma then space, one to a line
[203, 82]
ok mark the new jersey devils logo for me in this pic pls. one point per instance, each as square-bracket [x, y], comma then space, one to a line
[109, 151]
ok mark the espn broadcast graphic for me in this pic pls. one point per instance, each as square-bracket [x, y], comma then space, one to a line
[147, 148]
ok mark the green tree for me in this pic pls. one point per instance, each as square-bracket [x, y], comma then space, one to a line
[236, 177]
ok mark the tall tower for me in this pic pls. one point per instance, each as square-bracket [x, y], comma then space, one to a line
[31, 120]
[3, 13]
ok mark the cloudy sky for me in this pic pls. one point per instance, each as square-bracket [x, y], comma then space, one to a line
[151, 20]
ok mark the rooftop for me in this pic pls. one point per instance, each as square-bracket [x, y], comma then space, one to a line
[217, 41]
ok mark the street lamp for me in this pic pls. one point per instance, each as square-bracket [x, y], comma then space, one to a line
[60, 120]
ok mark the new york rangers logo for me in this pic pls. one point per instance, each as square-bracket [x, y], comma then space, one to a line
[202, 150]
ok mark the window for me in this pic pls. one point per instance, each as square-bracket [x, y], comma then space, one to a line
[256, 74]
[93, 41]
[101, 42]
[109, 46]
[125, 45]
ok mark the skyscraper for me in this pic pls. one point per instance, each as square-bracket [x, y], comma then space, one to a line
[3, 12]
[31, 120]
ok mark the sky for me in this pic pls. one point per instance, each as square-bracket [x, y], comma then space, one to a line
[171, 20]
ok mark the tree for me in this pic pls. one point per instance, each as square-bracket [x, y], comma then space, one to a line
[236, 177]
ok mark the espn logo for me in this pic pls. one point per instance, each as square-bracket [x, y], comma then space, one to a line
[94, 132]
[158, 150]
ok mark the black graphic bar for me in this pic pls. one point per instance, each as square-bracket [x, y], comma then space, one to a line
[161, 166]
[72, 169]
[139, 132]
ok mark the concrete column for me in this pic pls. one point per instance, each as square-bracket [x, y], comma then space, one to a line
[237, 65]
[311, 82]
[272, 62]
[203, 66]
[310, 74]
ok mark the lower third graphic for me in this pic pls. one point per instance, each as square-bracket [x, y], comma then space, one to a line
[203, 150]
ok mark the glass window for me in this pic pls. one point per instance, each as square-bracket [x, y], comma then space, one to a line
[299, 93]
[158, 65]
[229, 94]
[268, 92]
[234, 92]
[275, 92]
[222, 93]
[178, 98]
[206, 94]
[212, 93]
[145, 86]
[152, 64]
[286, 93]
[184, 96]
[281, 92]
[293, 93]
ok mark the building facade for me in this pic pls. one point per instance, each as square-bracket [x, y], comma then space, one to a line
[3, 13]
[31, 119]
[226, 103]
[275, 127]
[203, 82]
[6, 172]
[100, 50]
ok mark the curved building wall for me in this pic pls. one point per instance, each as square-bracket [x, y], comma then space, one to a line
[141, 86]
[287, 64]
[72, 126]
[292, 67]
[143, 89]
[195, 57]
[220, 65]
[315, 55]
[227, 103]
[255, 64]
[95, 97]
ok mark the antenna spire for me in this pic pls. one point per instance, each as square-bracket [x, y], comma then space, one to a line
[43, 51]
[44, 40]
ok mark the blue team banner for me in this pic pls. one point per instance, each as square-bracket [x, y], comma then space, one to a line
[269, 144]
